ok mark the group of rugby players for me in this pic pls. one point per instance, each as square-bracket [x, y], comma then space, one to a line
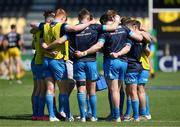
[66, 55]
[10, 53]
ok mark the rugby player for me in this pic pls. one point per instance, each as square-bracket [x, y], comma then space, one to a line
[4, 56]
[133, 90]
[37, 67]
[14, 45]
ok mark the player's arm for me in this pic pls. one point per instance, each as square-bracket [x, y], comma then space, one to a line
[79, 27]
[92, 49]
[20, 41]
[5, 42]
[122, 52]
[135, 35]
[32, 44]
[35, 25]
[147, 50]
[55, 43]
[146, 36]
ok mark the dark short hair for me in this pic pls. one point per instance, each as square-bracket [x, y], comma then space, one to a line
[0, 27]
[125, 20]
[48, 13]
[138, 24]
[83, 12]
[13, 26]
[111, 13]
[105, 18]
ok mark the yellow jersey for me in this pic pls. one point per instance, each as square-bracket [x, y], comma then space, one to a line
[145, 61]
[51, 33]
[39, 53]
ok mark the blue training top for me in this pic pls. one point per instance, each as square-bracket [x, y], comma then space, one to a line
[84, 40]
[115, 41]
[134, 55]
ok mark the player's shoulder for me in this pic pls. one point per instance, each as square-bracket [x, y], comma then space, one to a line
[95, 26]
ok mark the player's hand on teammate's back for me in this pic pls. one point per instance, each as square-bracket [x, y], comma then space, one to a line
[93, 21]
[44, 45]
[114, 55]
[79, 54]
[54, 53]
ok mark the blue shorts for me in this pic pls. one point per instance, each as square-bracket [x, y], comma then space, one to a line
[37, 70]
[132, 78]
[143, 77]
[47, 72]
[85, 70]
[55, 68]
[115, 69]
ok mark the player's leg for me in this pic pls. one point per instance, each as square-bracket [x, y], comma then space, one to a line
[131, 81]
[144, 106]
[11, 77]
[111, 72]
[17, 57]
[6, 63]
[142, 99]
[80, 77]
[58, 68]
[1, 63]
[114, 91]
[91, 77]
[50, 85]
[88, 110]
[128, 104]
[134, 101]
[42, 91]
[34, 97]
[91, 91]
[122, 96]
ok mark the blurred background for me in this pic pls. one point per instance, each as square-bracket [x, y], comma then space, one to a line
[160, 17]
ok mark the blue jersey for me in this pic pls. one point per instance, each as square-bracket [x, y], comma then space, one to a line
[84, 40]
[133, 56]
[115, 41]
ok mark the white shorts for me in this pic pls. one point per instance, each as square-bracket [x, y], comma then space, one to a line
[69, 66]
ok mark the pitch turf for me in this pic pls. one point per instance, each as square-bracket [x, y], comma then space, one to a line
[15, 105]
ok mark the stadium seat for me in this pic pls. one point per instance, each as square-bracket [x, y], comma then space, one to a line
[12, 21]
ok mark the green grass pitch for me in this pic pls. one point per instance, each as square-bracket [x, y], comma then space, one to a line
[15, 105]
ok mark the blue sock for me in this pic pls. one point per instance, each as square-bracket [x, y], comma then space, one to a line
[110, 103]
[128, 110]
[142, 111]
[121, 101]
[35, 106]
[65, 103]
[54, 106]
[49, 101]
[92, 100]
[61, 108]
[41, 106]
[116, 113]
[135, 107]
[81, 97]
[147, 105]
[89, 110]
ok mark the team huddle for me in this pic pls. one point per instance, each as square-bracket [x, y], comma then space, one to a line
[66, 55]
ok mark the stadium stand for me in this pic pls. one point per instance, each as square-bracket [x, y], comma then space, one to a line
[22, 12]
